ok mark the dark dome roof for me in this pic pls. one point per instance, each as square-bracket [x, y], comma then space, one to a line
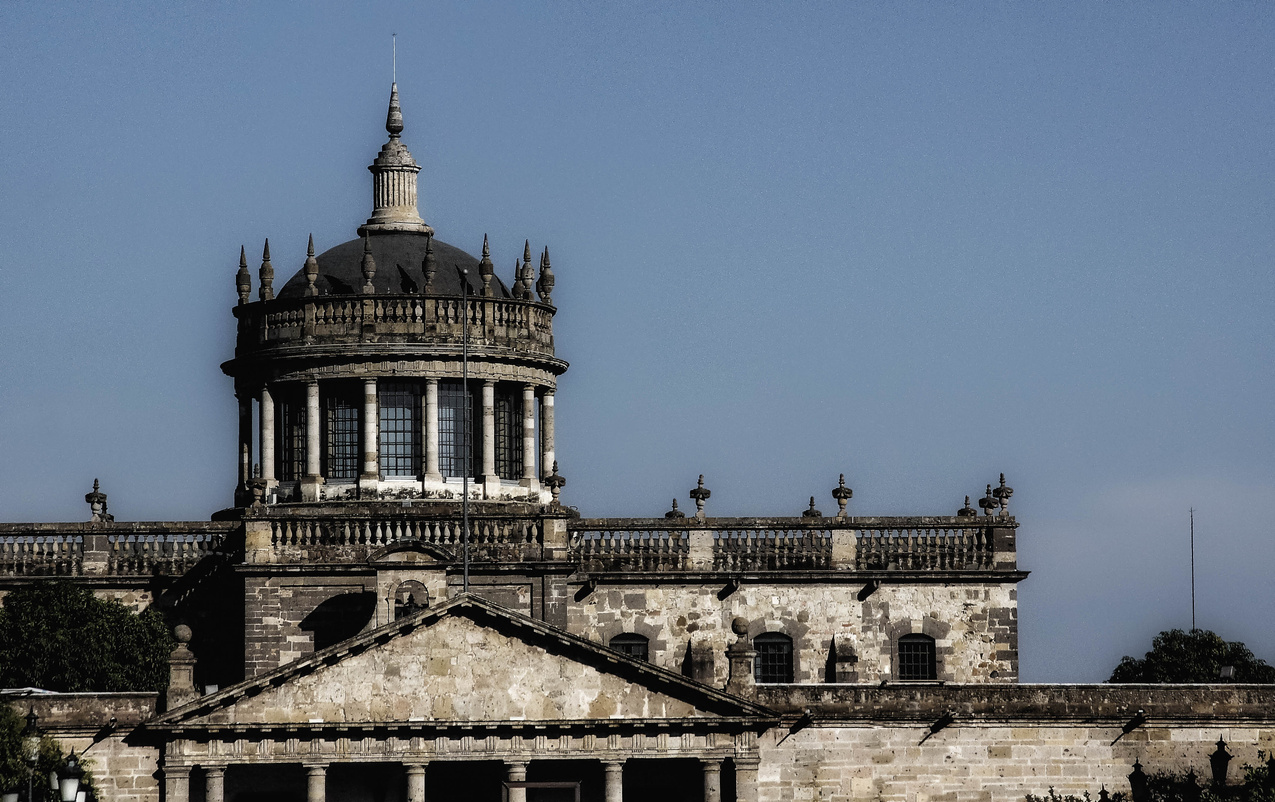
[398, 257]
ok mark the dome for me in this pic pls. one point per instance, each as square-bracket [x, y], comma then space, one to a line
[398, 257]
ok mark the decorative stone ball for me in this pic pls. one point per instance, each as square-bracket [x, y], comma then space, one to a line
[739, 625]
[182, 633]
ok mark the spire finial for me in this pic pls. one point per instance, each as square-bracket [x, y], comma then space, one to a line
[545, 285]
[266, 291]
[369, 266]
[311, 268]
[243, 279]
[485, 268]
[394, 118]
[428, 265]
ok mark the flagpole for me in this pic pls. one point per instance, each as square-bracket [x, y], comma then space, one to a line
[467, 446]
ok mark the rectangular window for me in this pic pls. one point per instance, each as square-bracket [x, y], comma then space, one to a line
[457, 430]
[290, 437]
[916, 658]
[341, 432]
[508, 432]
[400, 438]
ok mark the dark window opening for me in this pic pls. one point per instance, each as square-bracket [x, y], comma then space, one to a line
[457, 416]
[774, 658]
[916, 658]
[290, 437]
[399, 443]
[508, 432]
[633, 645]
[410, 598]
[341, 433]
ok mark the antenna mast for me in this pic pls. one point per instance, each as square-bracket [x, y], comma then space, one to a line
[1193, 569]
[394, 57]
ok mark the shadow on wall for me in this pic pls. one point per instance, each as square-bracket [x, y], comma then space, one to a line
[339, 618]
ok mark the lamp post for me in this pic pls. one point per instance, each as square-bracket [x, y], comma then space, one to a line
[31, 747]
[69, 780]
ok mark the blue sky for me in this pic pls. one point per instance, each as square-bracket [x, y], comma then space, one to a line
[919, 244]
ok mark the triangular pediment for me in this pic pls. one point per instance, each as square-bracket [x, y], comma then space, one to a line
[468, 661]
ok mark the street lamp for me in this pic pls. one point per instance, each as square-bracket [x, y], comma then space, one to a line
[30, 736]
[69, 779]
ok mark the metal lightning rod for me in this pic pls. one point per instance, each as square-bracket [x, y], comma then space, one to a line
[1193, 569]
[468, 447]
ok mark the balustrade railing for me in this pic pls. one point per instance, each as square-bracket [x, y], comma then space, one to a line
[110, 550]
[490, 538]
[502, 322]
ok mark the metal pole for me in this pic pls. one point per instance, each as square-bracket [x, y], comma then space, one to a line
[1193, 569]
[467, 445]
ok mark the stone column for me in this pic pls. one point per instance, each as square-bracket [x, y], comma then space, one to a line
[712, 780]
[431, 431]
[516, 773]
[529, 437]
[371, 462]
[313, 421]
[176, 783]
[547, 455]
[316, 789]
[415, 782]
[746, 779]
[491, 481]
[214, 783]
[265, 418]
[245, 444]
[614, 781]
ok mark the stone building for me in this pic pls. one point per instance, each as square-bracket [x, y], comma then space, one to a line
[398, 607]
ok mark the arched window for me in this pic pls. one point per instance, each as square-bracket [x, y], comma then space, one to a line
[633, 645]
[410, 598]
[774, 657]
[916, 658]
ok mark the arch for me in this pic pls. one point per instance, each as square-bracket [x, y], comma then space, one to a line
[409, 598]
[917, 658]
[634, 645]
[774, 660]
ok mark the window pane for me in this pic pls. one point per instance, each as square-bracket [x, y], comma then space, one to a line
[508, 432]
[633, 645]
[400, 435]
[774, 658]
[290, 437]
[916, 657]
[453, 444]
[341, 433]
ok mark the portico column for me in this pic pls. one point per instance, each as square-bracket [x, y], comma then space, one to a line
[415, 781]
[746, 779]
[371, 463]
[177, 784]
[316, 789]
[431, 431]
[517, 773]
[546, 433]
[614, 781]
[214, 783]
[311, 481]
[529, 436]
[265, 418]
[491, 481]
[712, 780]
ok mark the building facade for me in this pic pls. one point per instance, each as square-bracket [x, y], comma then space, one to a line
[399, 607]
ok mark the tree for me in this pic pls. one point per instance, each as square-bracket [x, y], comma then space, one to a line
[61, 637]
[17, 775]
[1194, 656]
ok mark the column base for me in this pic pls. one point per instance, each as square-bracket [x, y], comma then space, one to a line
[491, 487]
[310, 487]
[369, 485]
[531, 483]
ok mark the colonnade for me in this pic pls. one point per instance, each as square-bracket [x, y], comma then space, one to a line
[369, 475]
[177, 781]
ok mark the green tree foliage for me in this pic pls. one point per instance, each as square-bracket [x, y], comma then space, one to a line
[1194, 656]
[16, 774]
[61, 637]
[1254, 785]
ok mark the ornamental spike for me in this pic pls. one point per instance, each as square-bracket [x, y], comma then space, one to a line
[243, 279]
[485, 268]
[266, 292]
[428, 265]
[369, 266]
[311, 268]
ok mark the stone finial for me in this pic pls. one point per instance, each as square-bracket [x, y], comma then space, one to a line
[988, 502]
[700, 494]
[741, 656]
[812, 512]
[519, 289]
[1002, 495]
[394, 117]
[967, 511]
[97, 505]
[243, 279]
[485, 268]
[266, 292]
[311, 268]
[555, 483]
[675, 512]
[842, 494]
[181, 670]
[544, 286]
[429, 265]
[369, 266]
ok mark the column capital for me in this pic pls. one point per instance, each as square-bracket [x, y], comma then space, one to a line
[176, 770]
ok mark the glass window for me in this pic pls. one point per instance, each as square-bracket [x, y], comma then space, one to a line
[633, 645]
[341, 432]
[774, 658]
[508, 431]
[456, 429]
[290, 437]
[400, 433]
[916, 657]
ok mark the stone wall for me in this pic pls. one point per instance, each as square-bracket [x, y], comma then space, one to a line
[287, 618]
[975, 624]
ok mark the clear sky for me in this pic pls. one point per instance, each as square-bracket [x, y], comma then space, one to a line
[916, 243]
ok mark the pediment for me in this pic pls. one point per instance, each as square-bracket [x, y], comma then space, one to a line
[412, 553]
[466, 662]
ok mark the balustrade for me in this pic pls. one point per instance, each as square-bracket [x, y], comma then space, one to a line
[126, 550]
